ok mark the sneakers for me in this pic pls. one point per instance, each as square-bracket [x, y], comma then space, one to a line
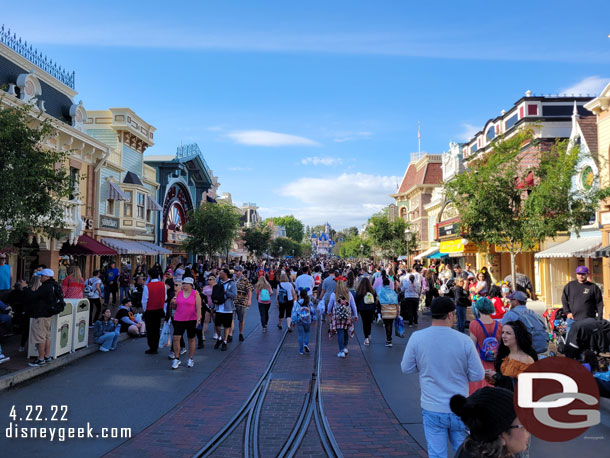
[388, 344]
[203, 338]
[217, 344]
[341, 354]
[279, 326]
[301, 353]
[176, 364]
[191, 363]
[47, 359]
[104, 349]
[4, 359]
[224, 346]
[241, 338]
[345, 351]
[289, 328]
[215, 336]
[264, 328]
[37, 363]
[306, 347]
[182, 350]
[367, 341]
[171, 355]
[229, 339]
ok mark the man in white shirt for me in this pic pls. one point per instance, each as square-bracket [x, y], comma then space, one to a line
[446, 361]
[305, 281]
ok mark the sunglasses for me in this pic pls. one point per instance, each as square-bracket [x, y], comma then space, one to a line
[516, 427]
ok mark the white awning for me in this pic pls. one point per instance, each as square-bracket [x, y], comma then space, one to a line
[153, 204]
[129, 247]
[158, 249]
[115, 192]
[583, 247]
[425, 254]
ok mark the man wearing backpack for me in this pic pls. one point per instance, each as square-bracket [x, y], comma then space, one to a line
[223, 294]
[242, 301]
[532, 321]
[41, 304]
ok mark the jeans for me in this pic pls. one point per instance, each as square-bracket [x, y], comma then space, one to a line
[109, 340]
[461, 317]
[263, 310]
[367, 320]
[124, 292]
[303, 335]
[342, 339]
[439, 426]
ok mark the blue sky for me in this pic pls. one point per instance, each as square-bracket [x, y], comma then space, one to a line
[311, 108]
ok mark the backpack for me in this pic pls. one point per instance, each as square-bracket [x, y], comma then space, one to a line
[343, 311]
[535, 326]
[369, 298]
[489, 350]
[89, 289]
[58, 304]
[304, 313]
[264, 295]
[282, 295]
[218, 294]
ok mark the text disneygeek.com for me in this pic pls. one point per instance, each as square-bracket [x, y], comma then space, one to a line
[61, 433]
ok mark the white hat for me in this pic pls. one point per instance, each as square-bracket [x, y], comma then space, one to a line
[47, 272]
[188, 280]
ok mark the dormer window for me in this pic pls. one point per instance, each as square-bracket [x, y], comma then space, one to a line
[491, 133]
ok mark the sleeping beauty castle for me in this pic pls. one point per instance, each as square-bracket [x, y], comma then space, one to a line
[322, 244]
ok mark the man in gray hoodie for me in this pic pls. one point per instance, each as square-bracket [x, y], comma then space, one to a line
[224, 309]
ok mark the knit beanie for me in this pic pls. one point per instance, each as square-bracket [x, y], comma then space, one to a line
[487, 413]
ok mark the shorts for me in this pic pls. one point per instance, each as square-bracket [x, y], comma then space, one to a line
[223, 319]
[189, 326]
[285, 309]
[41, 330]
[240, 312]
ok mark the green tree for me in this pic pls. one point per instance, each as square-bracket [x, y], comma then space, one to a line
[283, 246]
[498, 206]
[34, 187]
[389, 237]
[257, 238]
[294, 227]
[351, 248]
[212, 228]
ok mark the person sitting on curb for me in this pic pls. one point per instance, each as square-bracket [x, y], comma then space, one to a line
[128, 321]
[106, 331]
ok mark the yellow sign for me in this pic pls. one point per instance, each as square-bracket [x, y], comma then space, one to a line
[504, 249]
[456, 246]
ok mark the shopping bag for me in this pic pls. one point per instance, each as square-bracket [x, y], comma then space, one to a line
[166, 335]
[138, 317]
[399, 327]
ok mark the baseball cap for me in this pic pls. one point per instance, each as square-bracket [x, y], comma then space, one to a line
[518, 296]
[582, 270]
[441, 306]
[47, 272]
[238, 268]
[188, 280]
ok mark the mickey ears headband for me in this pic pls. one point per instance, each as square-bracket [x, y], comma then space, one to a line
[340, 279]
[303, 289]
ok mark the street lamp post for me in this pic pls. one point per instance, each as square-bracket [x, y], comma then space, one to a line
[408, 237]
[362, 251]
[281, 249]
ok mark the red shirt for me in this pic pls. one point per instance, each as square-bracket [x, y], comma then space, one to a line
[500, 309]
[72, 289]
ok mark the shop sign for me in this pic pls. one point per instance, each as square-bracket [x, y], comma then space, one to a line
[456, 246]
[504, 249]
[108, 222]
[450, 229]
[604, 218]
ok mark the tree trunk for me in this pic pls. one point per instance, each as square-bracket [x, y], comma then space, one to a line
[512, 270]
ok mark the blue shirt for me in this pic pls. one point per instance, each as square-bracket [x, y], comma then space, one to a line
[5, 277]
[112, 274]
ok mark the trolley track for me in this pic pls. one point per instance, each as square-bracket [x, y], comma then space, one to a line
[250, 413]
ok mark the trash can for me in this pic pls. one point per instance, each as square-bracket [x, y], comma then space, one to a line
[61, 333]
[80, 326]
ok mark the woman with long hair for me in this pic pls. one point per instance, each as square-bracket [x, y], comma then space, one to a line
[73, 285]
[285, 299]
[264, 291]
[366, 303]
[515, 354]
[480, 329]
[342, 309]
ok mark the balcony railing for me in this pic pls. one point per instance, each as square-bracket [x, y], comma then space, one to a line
[36, 57]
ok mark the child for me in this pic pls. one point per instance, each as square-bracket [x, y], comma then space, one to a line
[303, 314]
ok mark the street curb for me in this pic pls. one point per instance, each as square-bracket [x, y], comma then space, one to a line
[12, 379]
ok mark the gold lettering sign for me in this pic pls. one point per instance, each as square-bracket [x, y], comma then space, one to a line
[450, 211]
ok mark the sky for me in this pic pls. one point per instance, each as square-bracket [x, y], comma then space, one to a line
[312, 108]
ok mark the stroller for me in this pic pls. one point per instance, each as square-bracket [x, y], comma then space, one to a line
[556, 324]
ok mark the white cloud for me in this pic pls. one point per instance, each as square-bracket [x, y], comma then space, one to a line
[268, 138]
[344, 200]
[591, 85]
[353, 136]
[468, 131]
[315, 160]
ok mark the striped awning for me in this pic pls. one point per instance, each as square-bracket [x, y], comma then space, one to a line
[115, 192]
[153, 204]
[427, 253]
[129, 247]
[583, 247]
[158, 249]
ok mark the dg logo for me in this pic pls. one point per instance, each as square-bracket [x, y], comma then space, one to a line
[557, 399]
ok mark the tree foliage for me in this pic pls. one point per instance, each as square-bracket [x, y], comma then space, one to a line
[212, 228]
[294, 228]
[257, 238]
[351, 248]
[388, 237]
[33, 185]
[283, 246]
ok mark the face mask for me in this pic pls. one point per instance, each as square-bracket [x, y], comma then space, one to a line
[505, 290]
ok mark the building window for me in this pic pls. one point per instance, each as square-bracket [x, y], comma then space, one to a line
[127, 206]
[510, 122]
[110, 207]
[149, 215]
[474, 148]
[140, 205]
[491, 133]
[73, 183]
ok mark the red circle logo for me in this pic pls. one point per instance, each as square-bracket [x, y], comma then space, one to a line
[557, 399]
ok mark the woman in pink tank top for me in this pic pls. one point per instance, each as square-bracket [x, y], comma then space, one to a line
[187, 317]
